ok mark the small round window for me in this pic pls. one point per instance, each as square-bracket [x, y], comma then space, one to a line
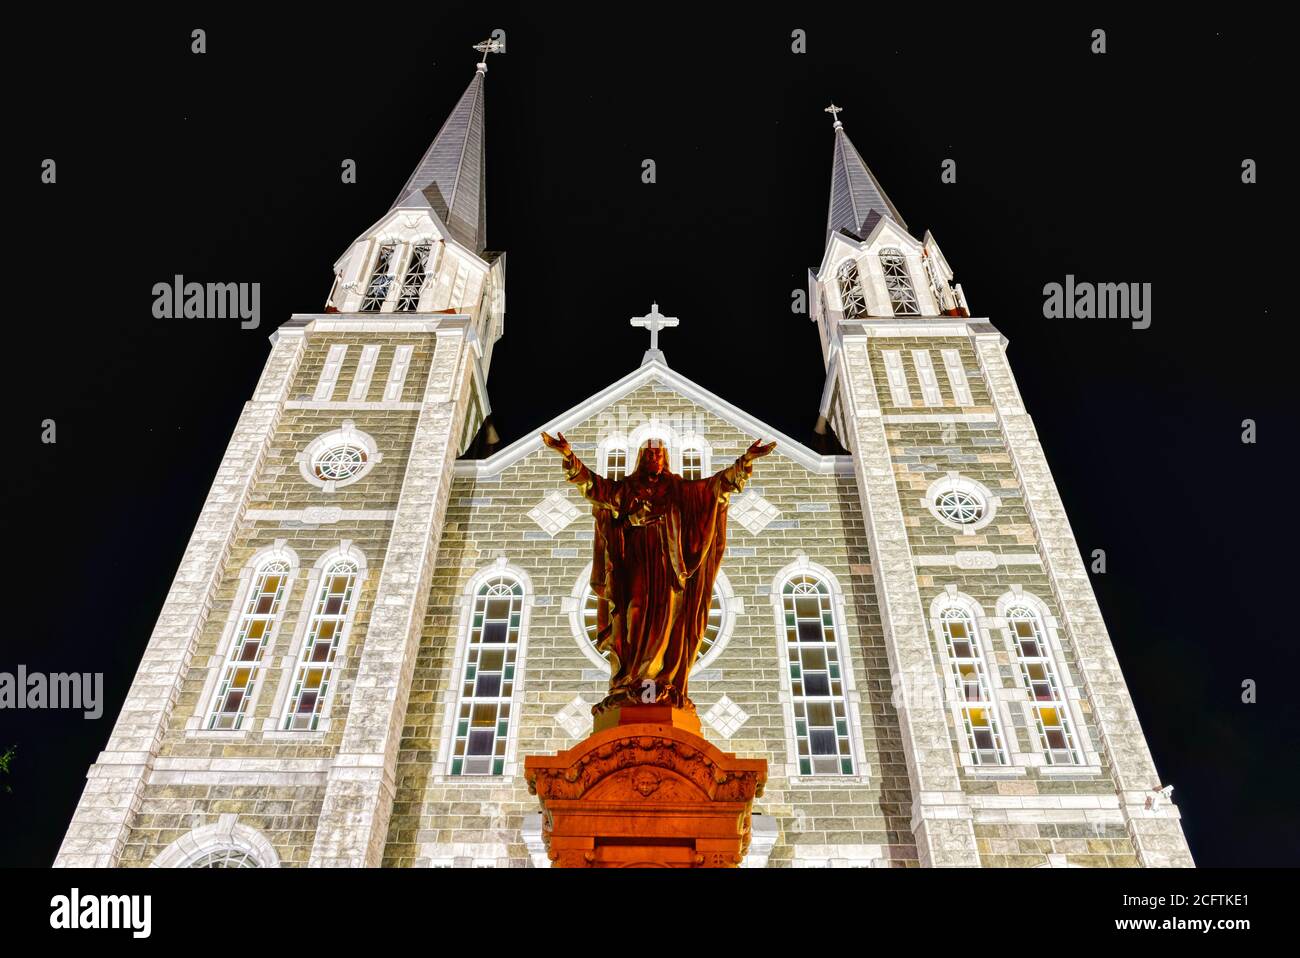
[960, 507]
[338, 458]
[340, 463]
[961, 503]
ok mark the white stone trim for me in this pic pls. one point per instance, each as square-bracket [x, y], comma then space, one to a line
[344, 405]
[896, 377]
[980, 418]
[957, 380]
[954, 481]
[397, 371]
[347, 433]
[977, 559]
[848, 675]
[329, 376]
[925, 375]
[226, 834]
[764, 830]
[320, 515]
[839, 856]
[365, 373]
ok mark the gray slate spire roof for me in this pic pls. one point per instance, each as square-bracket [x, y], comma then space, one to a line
[855, 193]
[451, 178]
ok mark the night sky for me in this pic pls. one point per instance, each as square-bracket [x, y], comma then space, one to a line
[225, 167]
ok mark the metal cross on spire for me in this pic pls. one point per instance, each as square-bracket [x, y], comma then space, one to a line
[486, 47]
[654, 321]
[835, 111]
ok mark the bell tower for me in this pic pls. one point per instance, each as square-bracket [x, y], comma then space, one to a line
[1002, 667]
[428, 254]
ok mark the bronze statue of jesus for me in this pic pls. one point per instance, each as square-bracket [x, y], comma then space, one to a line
[659, 541]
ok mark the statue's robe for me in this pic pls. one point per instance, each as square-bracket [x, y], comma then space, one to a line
[658, 544]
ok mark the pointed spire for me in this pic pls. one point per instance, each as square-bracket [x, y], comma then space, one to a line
[855, 193]
[451, 178]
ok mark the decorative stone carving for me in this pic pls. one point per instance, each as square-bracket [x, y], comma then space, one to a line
[645, 795]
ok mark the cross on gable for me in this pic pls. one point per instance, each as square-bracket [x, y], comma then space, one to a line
[654, 321]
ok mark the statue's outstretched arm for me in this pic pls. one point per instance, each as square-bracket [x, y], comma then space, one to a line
[733, 478]
[597, 489]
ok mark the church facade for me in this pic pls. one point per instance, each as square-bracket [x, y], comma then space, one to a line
[375, 621]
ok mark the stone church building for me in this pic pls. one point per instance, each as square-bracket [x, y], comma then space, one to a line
[382, 610]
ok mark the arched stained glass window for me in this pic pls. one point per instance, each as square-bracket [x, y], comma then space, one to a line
[969, 676]
[488, 681]
[254, 632]
[314, 673]
[1046, 697]
[816, 677]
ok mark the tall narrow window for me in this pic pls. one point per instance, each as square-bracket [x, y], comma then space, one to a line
[970, 683]
[902, 297]
[487, 685]
[417, 271]
[253, 634]
[692, 462]
[380, 280]
[314, 672]
[816, 682]
[616, 463]
[1047, 698]
[852, 299]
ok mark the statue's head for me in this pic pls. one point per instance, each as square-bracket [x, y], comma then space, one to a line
[653, 459]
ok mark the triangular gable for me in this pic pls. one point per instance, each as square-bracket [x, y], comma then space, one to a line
[655, 371]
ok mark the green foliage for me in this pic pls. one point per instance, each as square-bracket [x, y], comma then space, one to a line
[6, 758]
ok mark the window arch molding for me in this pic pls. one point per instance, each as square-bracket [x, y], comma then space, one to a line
[732, 606]
[613, 443]
[803, 566]
[694, 442]
[961, 486]
[249, 577]
[346, 437]
[500, 567]
[1017, 597]
[956, 696]
[344, 552]
[227, 835]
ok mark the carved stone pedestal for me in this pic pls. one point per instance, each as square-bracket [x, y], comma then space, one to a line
[645, 793]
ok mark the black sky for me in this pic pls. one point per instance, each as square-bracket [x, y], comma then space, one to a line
[1116, 168]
